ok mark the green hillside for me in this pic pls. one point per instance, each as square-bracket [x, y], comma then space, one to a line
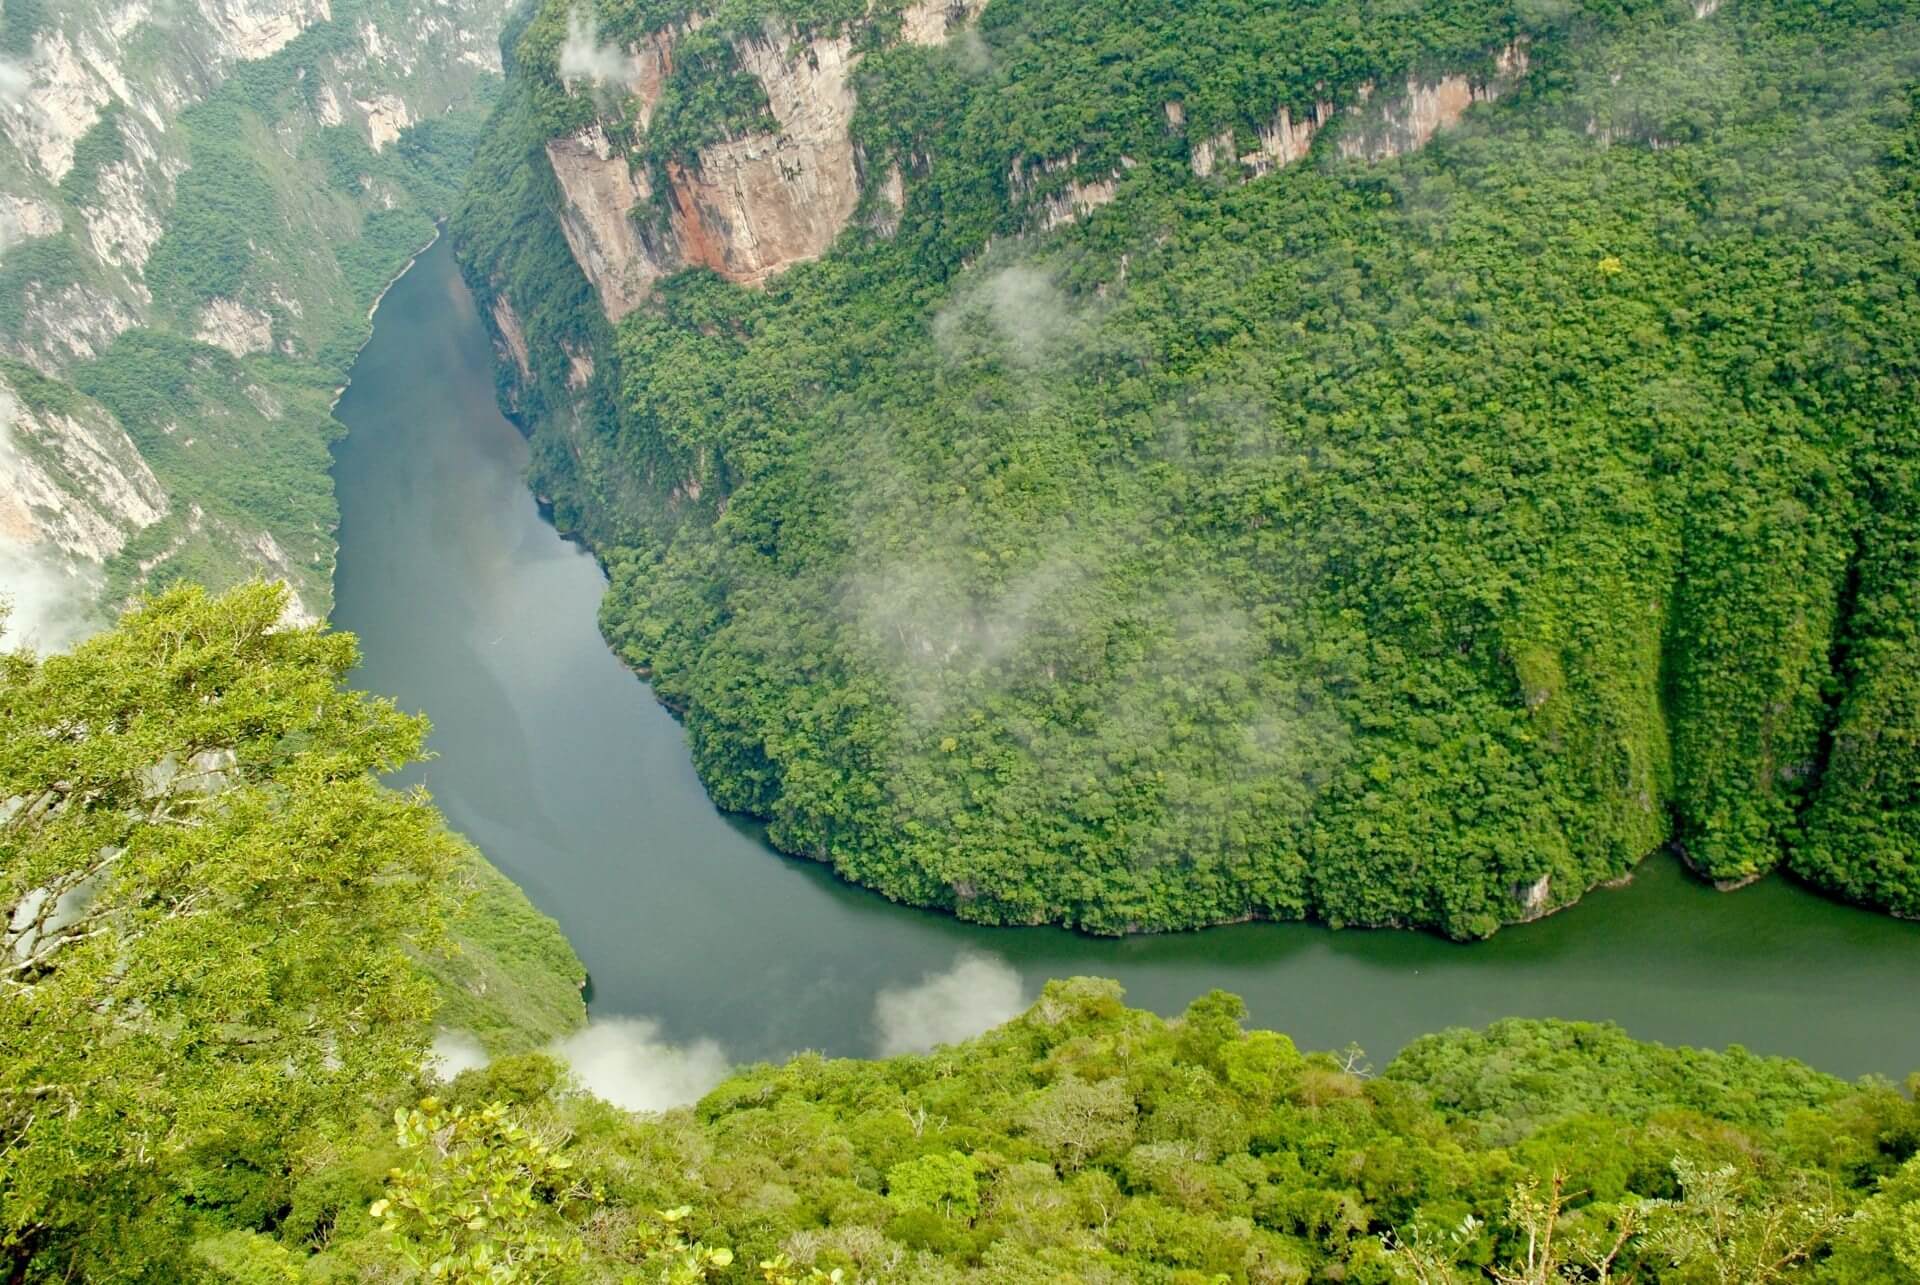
[1419, 540]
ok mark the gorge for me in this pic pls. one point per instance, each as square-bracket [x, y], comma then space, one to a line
[566, 772]
[1155, 642]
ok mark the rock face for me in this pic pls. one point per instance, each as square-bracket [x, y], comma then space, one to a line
[506, 323]
[72, 490]
[93, 149]
[1373, 128]
[72, 480]
[930, 22]
[755, 206]
[1535, 899]
[748, 208]
[1067, 203]
[602, 192]
[1285, 140]
[230, 324]
[1408, 122]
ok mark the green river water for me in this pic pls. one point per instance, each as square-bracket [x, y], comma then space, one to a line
[567, 773]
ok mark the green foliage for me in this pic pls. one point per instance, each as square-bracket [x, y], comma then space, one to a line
[211, 235]
[1369, 542]
[20, 22]
[1883, 1237]
[211, 904]
[250, 454]
[478, 1198]
[1088, 1142]
[44, 266]
[512, 981]
[214, 921]
[941, 1184]
[101, 146]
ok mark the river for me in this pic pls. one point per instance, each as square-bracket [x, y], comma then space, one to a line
[574, 781]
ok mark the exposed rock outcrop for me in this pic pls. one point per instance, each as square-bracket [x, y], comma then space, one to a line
[23, 218]
[230, 324]
[72, 490]
[755, 206]
[1386, 127]
[602, 190]
[1534, 899]
[1283, 140]
[1207, 151]
[72, 480]
[747, 208]
[1073, 200]
[1372, 128]
[506, 323]
[251, 29]
[386, 115]
[930, 22]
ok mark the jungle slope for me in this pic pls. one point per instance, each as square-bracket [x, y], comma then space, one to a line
[1228, 466]
[215, 917]
[1088, 1142]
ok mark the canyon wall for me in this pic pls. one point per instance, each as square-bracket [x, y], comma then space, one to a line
[747, 207]
[752, 206]
[124, 198]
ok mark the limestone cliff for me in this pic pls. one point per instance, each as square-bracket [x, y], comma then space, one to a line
[752, 206]
[1373, 126]
[72, 490]
[747, 207]
[1385, 125]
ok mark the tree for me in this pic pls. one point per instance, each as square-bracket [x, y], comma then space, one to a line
[210, 909]
[481, 1198]
[941, 1183]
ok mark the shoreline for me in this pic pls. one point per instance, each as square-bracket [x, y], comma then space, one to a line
[439, 230]
[333, 403]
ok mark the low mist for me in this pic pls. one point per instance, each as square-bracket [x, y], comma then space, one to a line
[976, 994]
[583, 57]
[624, 1061]
[454, 1052]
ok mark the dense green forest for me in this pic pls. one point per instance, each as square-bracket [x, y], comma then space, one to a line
[228, 946]
[1415, 542]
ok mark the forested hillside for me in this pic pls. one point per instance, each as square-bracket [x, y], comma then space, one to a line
[1391, 464]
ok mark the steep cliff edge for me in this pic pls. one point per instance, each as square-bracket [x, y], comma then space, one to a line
[200, 205]
[747, 207]
[752, 206]
[1219, 467]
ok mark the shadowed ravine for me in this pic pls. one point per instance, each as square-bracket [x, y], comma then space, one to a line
[574, 781]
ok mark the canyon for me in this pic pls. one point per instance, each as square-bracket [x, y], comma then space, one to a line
[109, 153]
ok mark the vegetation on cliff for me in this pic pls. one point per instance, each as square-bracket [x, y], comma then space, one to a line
[204, 268]
[1421, 540]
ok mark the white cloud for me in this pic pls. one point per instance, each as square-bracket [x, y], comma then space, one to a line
[14, 82]
[583, 57]
[976, 994]
[454, 1052]
[49, 604]
[624, 1061]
